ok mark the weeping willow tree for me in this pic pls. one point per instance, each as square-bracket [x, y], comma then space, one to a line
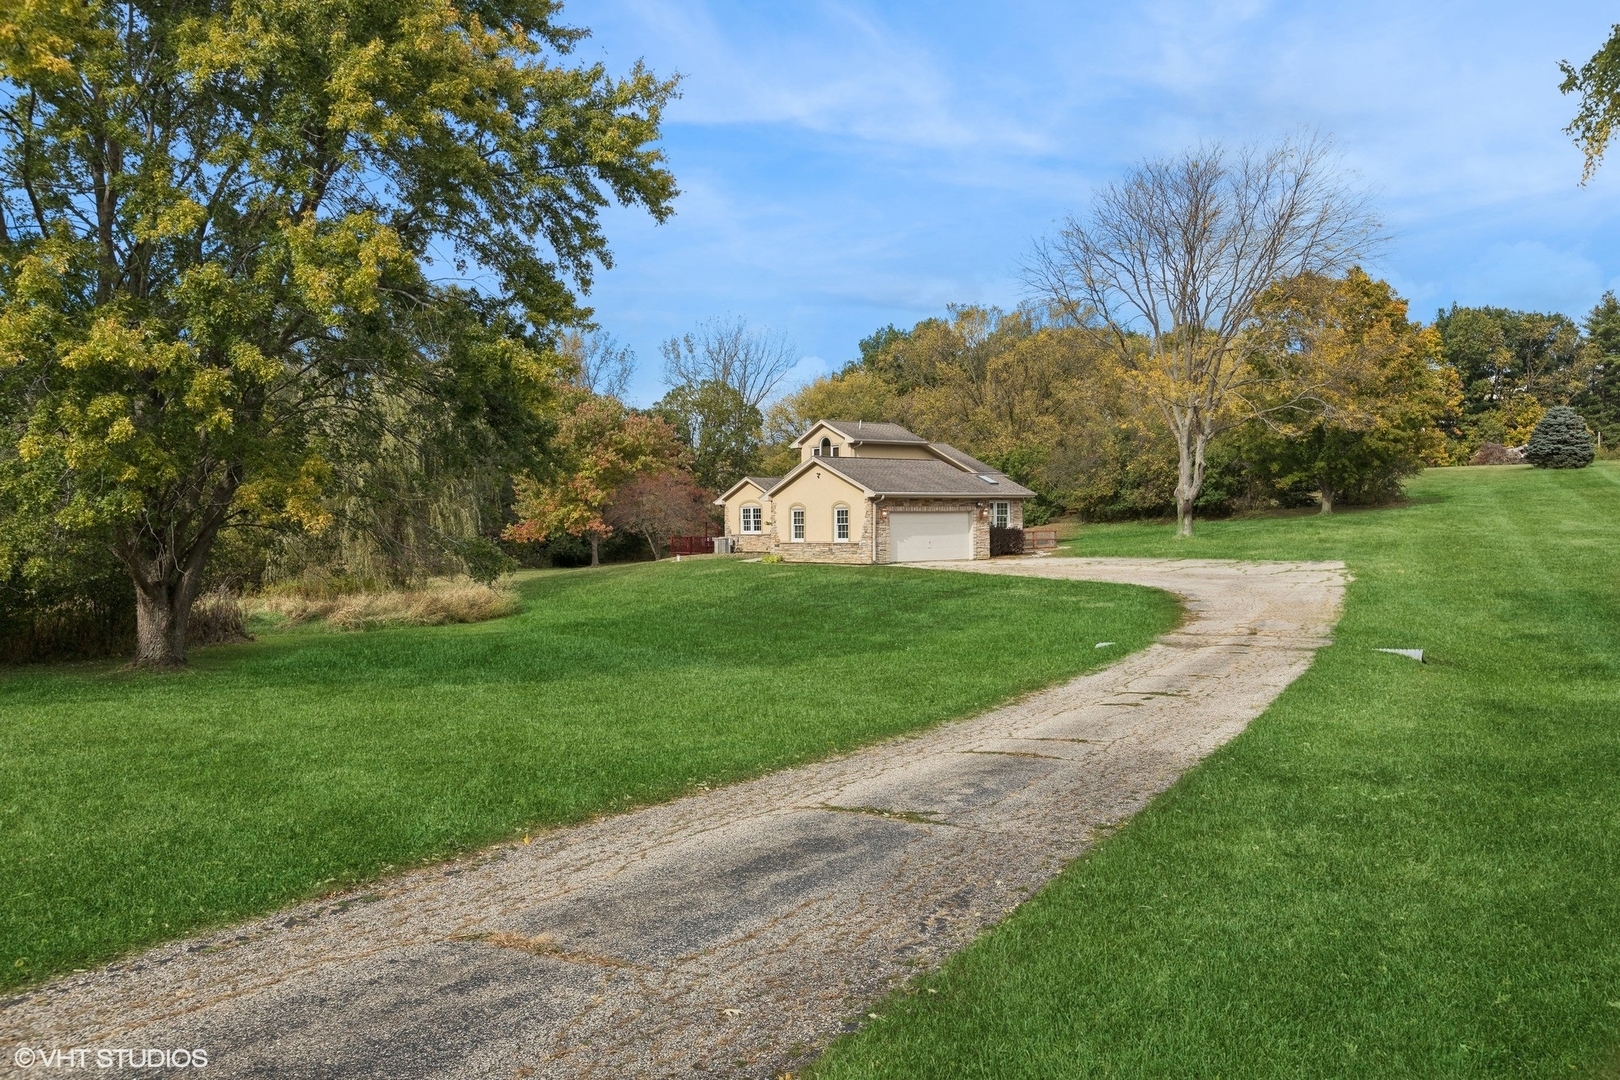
[410, 502]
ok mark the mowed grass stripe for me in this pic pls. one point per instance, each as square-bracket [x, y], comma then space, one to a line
[1398, 870]
[135, 808]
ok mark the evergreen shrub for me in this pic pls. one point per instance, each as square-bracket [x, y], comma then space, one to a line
[1560, 441]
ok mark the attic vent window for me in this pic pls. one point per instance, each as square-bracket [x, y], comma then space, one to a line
[988, 479]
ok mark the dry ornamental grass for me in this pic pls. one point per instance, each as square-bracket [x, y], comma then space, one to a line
[217, 618]
[432, 606]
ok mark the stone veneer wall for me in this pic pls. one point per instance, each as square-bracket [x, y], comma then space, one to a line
[758, 543]
[849, 551]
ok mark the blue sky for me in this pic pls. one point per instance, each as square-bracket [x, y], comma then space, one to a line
[848, 165]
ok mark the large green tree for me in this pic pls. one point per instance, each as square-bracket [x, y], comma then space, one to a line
[1599, 398]
[227, 224]
[1513, 366]
[719, 426]
[720, 376]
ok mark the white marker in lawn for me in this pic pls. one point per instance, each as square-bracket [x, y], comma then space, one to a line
[1413, 654]
[1104, 644]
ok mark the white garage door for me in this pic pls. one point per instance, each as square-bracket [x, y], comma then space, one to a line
[918, 537]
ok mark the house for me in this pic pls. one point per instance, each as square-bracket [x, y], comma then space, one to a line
[873, 493]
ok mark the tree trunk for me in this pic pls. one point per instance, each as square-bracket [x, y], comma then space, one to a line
[164, 589]
[167, 577]
[160, 627]
[652, 542]
[596, 550]
[1184, 498]
[1190, 445]
[1327, 496]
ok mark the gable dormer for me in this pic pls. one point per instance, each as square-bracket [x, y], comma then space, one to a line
[859, 438]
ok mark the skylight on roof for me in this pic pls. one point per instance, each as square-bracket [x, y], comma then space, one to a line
[988, 479]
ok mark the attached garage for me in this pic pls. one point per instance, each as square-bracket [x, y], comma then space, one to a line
[927, 537]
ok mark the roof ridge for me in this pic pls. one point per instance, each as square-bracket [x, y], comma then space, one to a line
[916, 476]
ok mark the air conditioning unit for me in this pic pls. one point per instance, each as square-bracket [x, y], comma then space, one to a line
[723, 545]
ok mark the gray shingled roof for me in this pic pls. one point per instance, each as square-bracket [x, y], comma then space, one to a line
[859, 431]
[909, 476]
[971, 464]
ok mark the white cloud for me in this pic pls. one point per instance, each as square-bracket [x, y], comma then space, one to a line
[831, 68]
[806, 371]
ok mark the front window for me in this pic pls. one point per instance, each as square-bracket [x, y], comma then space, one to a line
[798, 523]
[751, 519]
[1001, 514]
[841, 523]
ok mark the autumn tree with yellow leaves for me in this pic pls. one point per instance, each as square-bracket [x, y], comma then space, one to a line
[1358, 390]
[227, 227]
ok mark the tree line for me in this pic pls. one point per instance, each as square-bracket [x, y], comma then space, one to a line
[1384, 396]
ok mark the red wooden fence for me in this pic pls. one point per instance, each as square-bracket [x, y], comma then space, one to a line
[691, 545]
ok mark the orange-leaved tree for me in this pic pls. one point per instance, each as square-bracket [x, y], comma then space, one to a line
[660, 505]
[599, 446]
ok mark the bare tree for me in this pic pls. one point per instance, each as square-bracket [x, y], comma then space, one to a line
[1169, 265]
[601, 365]
[752, 361]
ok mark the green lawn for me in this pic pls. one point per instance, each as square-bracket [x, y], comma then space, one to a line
[135, 808]
[1399, 870]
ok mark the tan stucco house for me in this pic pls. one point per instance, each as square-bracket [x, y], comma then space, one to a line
[873, 493]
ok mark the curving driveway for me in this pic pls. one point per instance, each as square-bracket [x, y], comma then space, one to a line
[732, 932]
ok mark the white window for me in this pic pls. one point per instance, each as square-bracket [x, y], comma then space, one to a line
[840, 523]
[1000, 514]
[798, 523]
[751, 519]
[826, 448]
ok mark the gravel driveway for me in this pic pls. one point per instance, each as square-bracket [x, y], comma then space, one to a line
[728, 933]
